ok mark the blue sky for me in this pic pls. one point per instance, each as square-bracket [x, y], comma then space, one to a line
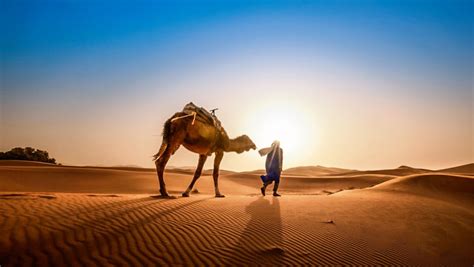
[99, 77]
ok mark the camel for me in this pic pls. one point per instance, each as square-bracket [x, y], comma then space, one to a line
[200, 132]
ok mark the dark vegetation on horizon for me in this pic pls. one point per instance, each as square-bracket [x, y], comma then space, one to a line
[27, 153]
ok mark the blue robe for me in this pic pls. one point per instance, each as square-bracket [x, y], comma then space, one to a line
[273, 166]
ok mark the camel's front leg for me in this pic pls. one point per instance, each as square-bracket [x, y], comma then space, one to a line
[215, 174]
[197, 174]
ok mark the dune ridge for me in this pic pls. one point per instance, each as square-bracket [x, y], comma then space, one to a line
[447, 187]
[463, 169]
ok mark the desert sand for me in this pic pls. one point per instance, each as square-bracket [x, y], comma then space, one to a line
[68, 215]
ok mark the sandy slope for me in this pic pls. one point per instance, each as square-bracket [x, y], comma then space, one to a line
[110, 216]
[467, 169]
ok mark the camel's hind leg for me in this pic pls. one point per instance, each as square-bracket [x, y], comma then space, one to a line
[161, 163]
[197, 174]
[160, 168]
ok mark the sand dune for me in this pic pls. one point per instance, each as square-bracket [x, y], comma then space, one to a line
[431, 182]
[400, 171]
[448, 187]
[463, 169]
[53, 215]
[314, 171]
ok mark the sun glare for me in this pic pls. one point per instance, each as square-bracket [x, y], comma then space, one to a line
[291, 125]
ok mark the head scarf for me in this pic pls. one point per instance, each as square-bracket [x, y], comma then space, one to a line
[268, 150]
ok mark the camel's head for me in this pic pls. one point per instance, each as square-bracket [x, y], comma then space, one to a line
[244, 143]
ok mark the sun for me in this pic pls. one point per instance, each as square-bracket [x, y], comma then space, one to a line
[290, 124]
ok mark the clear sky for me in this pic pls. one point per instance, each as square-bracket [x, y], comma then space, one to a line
[355, 84]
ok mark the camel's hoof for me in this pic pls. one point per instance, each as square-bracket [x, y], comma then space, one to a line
[164, 194]
[220, 195]
[185, 194]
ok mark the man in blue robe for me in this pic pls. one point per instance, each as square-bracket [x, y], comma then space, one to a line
[273, 167]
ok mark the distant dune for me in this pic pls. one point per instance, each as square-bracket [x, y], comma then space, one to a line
[400, 171]
[463, 169]
[314, 171]
[441, 186]
[432, 182]
[68, 215]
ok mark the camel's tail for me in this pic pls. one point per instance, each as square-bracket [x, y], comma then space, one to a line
[164, 143]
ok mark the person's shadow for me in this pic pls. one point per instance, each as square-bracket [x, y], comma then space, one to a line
[261, 242]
